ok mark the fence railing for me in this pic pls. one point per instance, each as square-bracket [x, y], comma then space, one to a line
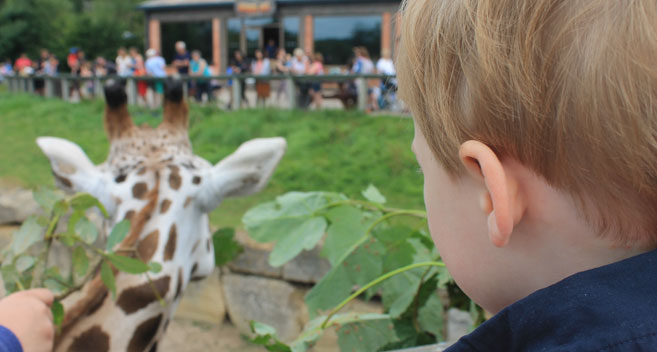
[62, 85]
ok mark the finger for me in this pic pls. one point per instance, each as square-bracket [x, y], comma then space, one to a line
[42, 295]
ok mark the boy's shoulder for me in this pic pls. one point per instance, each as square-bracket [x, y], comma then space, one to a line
[611, 308]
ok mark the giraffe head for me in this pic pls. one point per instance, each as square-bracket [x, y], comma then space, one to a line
[152, 177]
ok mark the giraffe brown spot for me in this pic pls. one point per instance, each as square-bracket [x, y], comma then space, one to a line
[135, 298]
[144, 334]
[139, 190]
[94, 339]
[97, 304]
[170, 248]
[208, 244]
[196, 180]
[146, 247]
[175, 169]
[165, 206]
[187, 201]
[197, 278]
[120, 178]
[179, 284]
[63, 180]
[153, 348]
[175, 180]
[129, 215]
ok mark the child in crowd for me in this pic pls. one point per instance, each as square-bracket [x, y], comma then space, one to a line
[536, 131]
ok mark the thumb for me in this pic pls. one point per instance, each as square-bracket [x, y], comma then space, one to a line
[42, 295]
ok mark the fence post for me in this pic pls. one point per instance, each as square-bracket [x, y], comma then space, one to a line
[10, 83]
[98, 89]
[361, 85]
[185, 86]
[291, 92]
[48, 87]
[65, 89]
[131, 90]
[30, 85]
[237, 94]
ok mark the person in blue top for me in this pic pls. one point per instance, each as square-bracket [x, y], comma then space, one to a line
[26, 322]
[155, 67]
[536, 131]
[198, 67]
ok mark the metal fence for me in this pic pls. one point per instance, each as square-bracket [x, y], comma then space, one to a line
[352, 90]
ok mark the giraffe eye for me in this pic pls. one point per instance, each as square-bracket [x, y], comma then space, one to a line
[120, 178]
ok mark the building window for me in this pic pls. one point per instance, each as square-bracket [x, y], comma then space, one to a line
[234, 30]
[335, 37]
[196, 35]
[291, 33]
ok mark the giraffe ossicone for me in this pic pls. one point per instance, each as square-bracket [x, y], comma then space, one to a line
[152, 177]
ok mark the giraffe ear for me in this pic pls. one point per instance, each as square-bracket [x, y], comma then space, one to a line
[73, 170]
[244, 172]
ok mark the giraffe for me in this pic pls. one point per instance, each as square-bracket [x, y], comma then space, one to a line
[151, 177]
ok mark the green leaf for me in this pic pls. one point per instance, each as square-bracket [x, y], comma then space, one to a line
[348, 229]
[398, 256]
[60, 207]
[393, 235]
[67, 239]
[430, 316]
[46, 198]
[154, 267]
[266, 336]
[107, 276]
[313, 330]
[226, 249]
[304, 236]
[24, 263]
[366, 334]
[119, 232]
[399, 291]
[373, 195]
[86, 230]
[272, 221]
[80, 261]
[73, 220]
[9, 277]
[29, 234]
[329, 292]
[54, 281]
[54, 285]
[57, 310]
[127, 264]
[365, 264]
[84, 201]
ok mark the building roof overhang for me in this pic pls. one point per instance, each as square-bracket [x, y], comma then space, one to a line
[194, 4]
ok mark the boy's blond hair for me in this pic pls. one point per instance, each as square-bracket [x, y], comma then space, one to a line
[566, 87]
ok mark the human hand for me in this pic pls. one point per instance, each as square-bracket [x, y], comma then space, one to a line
[27, 314]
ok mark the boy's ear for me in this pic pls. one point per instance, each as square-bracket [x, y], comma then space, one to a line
[501, 201]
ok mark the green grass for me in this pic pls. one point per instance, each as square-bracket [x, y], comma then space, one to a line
[327, 150]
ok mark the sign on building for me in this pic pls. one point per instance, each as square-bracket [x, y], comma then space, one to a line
[255, 7]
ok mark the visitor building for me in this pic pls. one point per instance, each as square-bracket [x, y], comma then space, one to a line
[219, 27]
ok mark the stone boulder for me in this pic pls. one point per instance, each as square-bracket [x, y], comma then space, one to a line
[272, 302]
[203, 301]
[16, 205]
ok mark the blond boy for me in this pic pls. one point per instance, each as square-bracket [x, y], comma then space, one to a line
[536, 130]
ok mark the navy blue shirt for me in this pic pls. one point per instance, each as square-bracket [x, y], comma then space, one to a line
[611, 308]
[8, 341]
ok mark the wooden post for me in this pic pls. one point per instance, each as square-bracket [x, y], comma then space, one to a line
[291, 91]
[237, 94]
[131, 90]
[10, 83]
[185, 84]
[216, 45]
[386, 33]
[23, 84]
[309, 40]
[49, 87]
[361, 84]
[30, 85]
[65, 89]
[154, 36]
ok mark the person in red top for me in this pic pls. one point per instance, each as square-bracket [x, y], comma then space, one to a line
[23, 64]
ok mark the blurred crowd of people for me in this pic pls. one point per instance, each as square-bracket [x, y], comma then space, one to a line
[269, 60]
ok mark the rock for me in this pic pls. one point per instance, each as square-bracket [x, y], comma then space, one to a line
[458, 324]
[254, 261]
[307, 267]
[189, 336]
[6, 233]
[203, 301]
[272, 302]
[16, 205]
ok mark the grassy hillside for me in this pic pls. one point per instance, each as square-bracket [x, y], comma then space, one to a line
[328, 150]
